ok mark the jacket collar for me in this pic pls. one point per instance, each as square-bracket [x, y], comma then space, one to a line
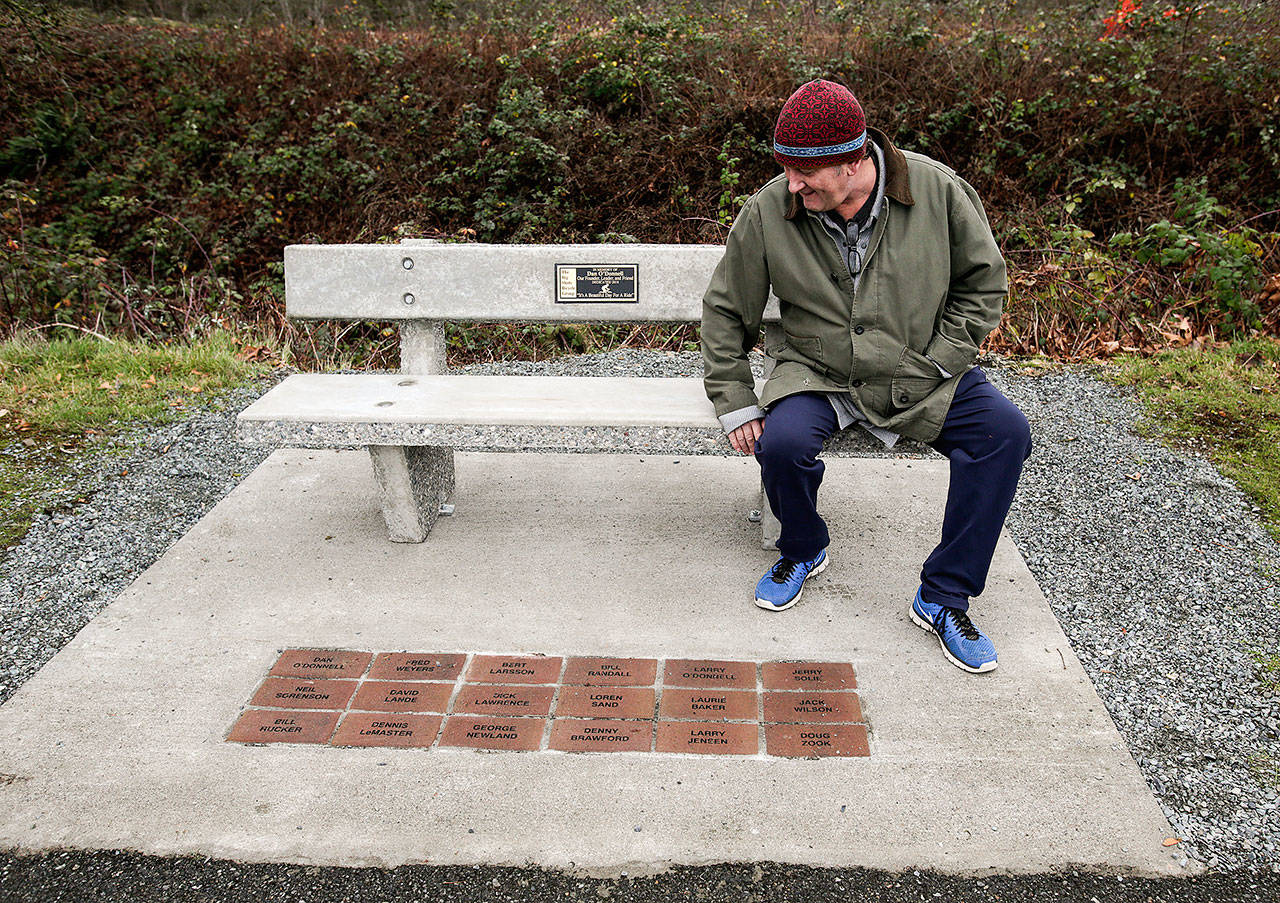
[897, 185]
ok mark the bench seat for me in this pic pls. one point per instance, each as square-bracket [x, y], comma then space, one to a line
[411, 423]
[317, 409]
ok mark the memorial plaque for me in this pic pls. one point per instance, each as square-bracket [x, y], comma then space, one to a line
[709, 704]
[809, 676]
[416, 666]
[805, 740]
[699, 673]
[276, 726]
[812, 708]
[321, 663]
[289, 693]
[605, 702]
[581, 283]
[488, 699]
[570, 735]
[382, 729]
[708, 737]
[514, 669]
[611, 672]
[493, 733]
[402, 696]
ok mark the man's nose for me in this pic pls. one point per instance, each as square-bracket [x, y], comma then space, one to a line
[794, 182]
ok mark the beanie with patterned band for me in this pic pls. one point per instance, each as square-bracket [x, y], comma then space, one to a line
[822, 124]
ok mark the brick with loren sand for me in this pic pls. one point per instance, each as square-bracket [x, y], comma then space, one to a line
[605, 702]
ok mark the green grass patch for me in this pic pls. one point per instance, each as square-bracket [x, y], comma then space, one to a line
[1227, 400]
[26, 488]
[63, 388]
[1269, 671]
[1268, 767]
[57, 395]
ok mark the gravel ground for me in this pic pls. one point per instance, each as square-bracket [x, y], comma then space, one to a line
[122, 507]
[1157, 567]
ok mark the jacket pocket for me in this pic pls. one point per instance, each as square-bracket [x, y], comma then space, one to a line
[802, 349]
[914, 379]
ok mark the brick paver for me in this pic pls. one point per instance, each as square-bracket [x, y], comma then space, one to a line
[578, 704]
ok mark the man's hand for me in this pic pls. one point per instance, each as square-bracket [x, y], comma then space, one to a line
[744, 438]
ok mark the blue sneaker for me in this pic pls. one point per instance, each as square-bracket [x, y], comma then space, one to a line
[964, 644]
[780, 587]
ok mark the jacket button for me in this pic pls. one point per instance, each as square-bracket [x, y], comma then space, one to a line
[904, 398]
[858, 330]
[857, 384]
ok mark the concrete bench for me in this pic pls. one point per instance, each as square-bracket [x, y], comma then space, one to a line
[412, 421]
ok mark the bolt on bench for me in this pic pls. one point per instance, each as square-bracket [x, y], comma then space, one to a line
[412, 421]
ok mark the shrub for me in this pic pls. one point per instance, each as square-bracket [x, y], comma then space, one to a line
[154, 171]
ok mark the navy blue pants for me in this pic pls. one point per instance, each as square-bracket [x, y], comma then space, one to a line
[986, 438]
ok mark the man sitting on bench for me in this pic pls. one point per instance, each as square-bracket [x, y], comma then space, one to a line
[889, 279]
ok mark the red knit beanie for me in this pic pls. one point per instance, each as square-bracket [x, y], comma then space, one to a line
[822, 124]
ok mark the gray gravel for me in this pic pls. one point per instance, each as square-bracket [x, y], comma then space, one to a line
[141, 491]
[1156, 566]
[1168, 587]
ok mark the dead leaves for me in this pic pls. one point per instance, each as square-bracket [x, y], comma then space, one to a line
[256, 354]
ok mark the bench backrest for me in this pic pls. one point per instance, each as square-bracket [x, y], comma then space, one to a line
[423, 283]
[424, 280]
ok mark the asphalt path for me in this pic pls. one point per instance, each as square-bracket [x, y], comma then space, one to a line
[64, 877]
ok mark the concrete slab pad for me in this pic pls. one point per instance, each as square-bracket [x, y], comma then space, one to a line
[120, 741]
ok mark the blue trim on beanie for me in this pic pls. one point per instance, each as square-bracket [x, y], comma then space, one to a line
[827, 151]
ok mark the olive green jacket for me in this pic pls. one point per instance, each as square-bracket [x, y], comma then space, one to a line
[931, 289]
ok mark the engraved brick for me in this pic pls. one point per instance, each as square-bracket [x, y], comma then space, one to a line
[601, 735]
[605, 702]
[417, 666]
[321, 663]
[809, 676]
[402, 696]
[387, 729]
[276, 726]
[704, 673]
[489, 699]
[708, 704]
[514, 669]
[708, 737]
[290, 693]
[804, 740]
[493, 733]
[818, 707]
[611, 672]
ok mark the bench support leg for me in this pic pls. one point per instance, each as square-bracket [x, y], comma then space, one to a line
[770, 528]
[415, 481]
